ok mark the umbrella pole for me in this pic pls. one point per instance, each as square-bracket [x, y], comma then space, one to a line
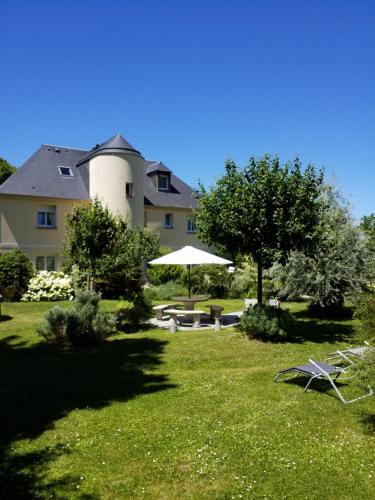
[189, 268]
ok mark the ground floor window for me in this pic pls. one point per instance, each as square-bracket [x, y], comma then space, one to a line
[45, 263]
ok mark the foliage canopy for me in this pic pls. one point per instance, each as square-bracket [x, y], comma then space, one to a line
[265, 210]
[104, 245]
[340, 264]
[6, 170]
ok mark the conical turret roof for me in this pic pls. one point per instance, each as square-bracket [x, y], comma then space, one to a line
[116, 143]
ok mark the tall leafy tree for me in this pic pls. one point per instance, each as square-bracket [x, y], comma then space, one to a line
[367, 227]
[340, 264]
[6, 170]
[265, 210]
[103, 245]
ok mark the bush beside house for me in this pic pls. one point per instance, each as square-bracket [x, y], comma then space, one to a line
[16, 270]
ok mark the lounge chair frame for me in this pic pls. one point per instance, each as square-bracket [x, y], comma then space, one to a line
[350, 355]
[323, 371]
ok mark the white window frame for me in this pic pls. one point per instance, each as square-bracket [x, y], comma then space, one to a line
[170, 225]
[46, 263]
[44, 213]
[166, 177]
[65, 175]
[191, 225]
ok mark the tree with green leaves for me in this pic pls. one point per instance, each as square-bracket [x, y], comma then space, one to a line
[103, 245]
[6, 170]
[367, 227]
[340, 264]
[265, 210]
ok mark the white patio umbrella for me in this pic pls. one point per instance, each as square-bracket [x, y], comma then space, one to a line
[190, 256]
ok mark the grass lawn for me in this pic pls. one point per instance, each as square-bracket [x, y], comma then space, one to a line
[191, 415]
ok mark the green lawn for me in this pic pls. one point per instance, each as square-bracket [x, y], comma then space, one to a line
[189, 415]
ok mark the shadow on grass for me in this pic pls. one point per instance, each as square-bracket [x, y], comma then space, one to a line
[368, 422]
[317, 331]
[5, 317]
[318, 385]
[41, 384]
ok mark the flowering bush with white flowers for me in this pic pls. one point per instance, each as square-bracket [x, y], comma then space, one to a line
[49, 286]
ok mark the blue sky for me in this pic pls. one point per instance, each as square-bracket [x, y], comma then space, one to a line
[193, 83]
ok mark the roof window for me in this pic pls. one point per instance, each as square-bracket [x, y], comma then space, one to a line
[163, 182]
[65, 171]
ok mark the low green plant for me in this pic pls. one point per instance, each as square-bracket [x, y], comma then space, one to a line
[53, 327]
[267, 323]
[16, 270]
[365, 369]
[81, 325]
[165, 291]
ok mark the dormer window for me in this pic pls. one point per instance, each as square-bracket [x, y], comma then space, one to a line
[163, 182]
[65, 171]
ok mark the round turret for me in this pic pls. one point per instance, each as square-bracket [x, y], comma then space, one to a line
[116, 178]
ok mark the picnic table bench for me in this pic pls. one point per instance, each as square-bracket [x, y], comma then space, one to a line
[160, 309]
[175, 313]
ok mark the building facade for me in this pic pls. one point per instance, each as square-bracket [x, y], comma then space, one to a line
[36, 198]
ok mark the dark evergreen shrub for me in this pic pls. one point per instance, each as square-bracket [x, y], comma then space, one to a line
[16, 270]
[267, 323]
[132, 314]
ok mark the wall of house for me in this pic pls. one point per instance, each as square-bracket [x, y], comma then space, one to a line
[177, 236]
[19, 226]
[109, 174]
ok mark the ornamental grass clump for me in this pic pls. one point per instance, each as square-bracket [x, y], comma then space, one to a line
[82, 325]
[267, 323]
[49, 286]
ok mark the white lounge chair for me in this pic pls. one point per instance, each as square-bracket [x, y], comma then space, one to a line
[349, 355]
[323, 371]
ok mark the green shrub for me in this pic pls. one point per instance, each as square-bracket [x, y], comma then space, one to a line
[16, 270]
[82, 325]
[267, 323]
[159, 274]
[132, 314]
[53, 327]
[208, 279]
[365, 313]
[165, 291]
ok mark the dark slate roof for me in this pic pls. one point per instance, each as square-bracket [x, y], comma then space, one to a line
[115, 143]
[181, 195]
[156, 166]
[40, 175]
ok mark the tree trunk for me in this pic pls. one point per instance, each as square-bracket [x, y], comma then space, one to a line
[260, 282]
